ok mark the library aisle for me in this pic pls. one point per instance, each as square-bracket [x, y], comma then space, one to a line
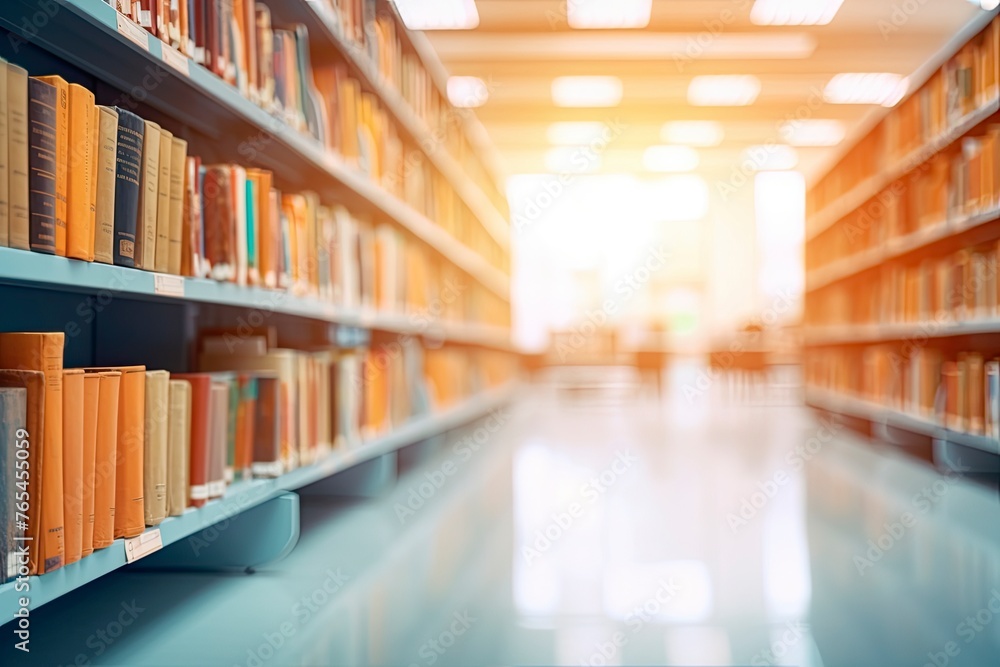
[594, 528]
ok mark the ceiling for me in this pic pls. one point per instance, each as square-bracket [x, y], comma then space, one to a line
[520, 46]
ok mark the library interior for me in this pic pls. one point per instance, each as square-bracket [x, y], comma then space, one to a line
[471, 333]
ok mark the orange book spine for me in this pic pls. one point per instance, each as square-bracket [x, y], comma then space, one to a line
[73, 432]
[91, 401]
[129, 511]
[82, 174]
[105, 472]
[62, 158]
[44, 352]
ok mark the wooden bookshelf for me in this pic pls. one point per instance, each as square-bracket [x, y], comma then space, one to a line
[879, 250]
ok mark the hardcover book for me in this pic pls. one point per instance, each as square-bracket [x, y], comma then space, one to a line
[201, 435]
[106, 453]
[128, 180]
[104, 214]
[82, 174]
[145, 226]
[73, 463]
[155, 456]
[17, 158]
[162, 261]
[44, 352]
[13, 486]
[61, 157]
[178, 446]
[91, 398]
[42, 148]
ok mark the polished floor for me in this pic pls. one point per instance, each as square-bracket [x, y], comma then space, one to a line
[594, 526]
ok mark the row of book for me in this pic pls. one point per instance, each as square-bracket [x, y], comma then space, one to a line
[953, 186]
[272, 67]
[967, 82]
[961, 286]
[959, 392]
[99, 183]
[373, 27]
[109, 451]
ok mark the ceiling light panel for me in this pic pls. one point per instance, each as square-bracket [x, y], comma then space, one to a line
[866, 88]
[794, 12]
[723, 91]
[608, 14]
[702, 133]
[438, 14]
[587, 91]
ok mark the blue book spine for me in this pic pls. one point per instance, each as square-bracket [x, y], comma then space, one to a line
[127, 183]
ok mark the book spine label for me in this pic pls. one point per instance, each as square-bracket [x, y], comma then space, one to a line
[127, 184]
[42, 165]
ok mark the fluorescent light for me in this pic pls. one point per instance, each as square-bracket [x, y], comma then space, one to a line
[572, 160]
[693, 133]
[723, 91]
[438, 14]
[587, 91]
[467, 92]
[988, 5]
[670, 158]
[813, 132]
[794, 12]
[866, 88]
[771, 157]
[608, 13]
[575, 134]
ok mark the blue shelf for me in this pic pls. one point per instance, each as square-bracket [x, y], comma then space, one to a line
[242, 496]
[197, 98]
[20, 267]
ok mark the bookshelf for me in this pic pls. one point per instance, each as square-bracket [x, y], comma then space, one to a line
[902, 236]
[197, 98]
[244, 497]
[325, 34]
[154, 318]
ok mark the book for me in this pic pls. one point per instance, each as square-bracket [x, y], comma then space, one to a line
[162, 256]
[73, 434]
[13, 483]
[266, 459]
[154, 461]
[33, 383]
[17, 158]
[81, 188]
[201, 436]
[128, 179]
[145, 225]
[129, 499]
[42, 149]
[104, 213]
[192, 234]
[61, 157]
[218, 442]
[178, 445]
[219, 215]
[4, 177]
[91, 398]
[105, 457]
[178, 166]
[44, 352]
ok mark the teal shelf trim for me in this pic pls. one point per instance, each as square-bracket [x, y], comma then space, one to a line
[21, 267]
[216, 107]
[245, 495]
[873, 412]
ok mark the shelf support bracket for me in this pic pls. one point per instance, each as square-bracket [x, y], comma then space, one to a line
[260, 535]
